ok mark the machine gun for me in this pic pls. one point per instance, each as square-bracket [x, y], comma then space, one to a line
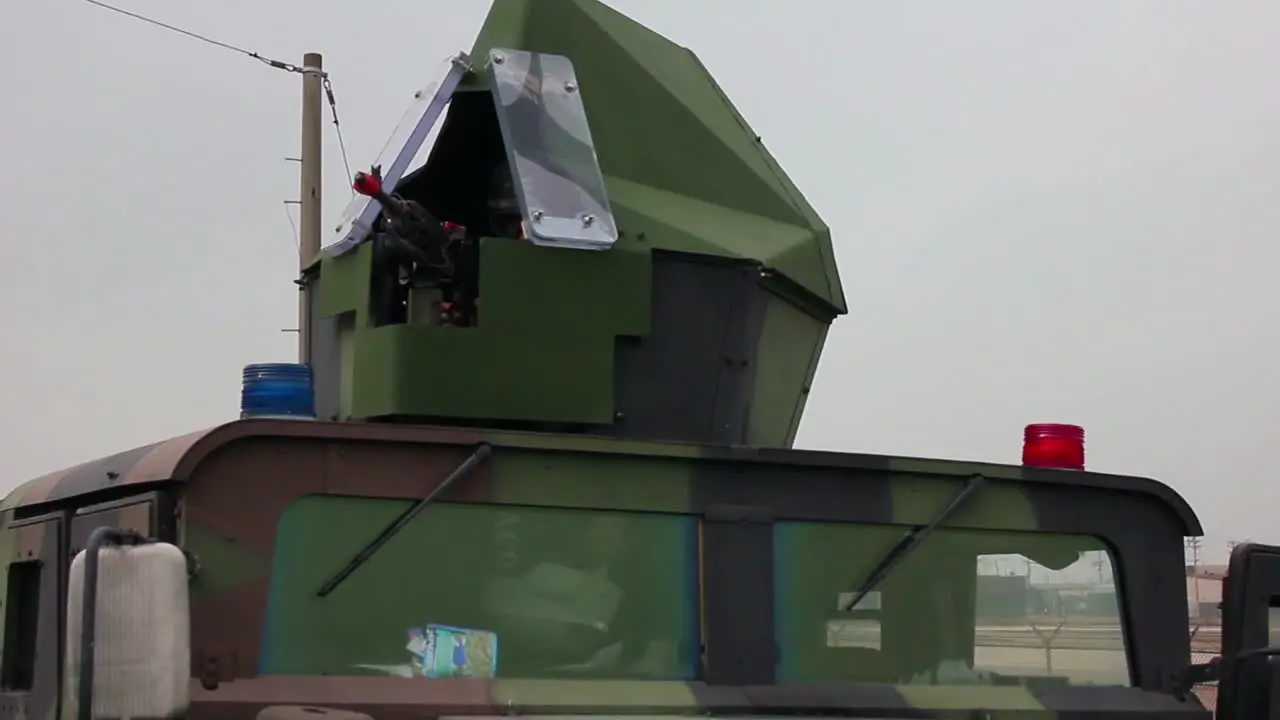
[415, 240]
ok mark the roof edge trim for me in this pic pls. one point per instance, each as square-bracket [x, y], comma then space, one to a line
[170, 460]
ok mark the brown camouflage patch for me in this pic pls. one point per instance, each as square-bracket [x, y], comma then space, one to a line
[241, 477]
[176, 458]
[275, 469]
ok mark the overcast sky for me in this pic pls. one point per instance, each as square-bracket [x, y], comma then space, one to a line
[1063, 212]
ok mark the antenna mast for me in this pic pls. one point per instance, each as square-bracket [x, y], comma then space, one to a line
[309, 170]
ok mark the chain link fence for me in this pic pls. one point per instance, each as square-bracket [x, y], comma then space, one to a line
[1081, 651]
[1206, 644]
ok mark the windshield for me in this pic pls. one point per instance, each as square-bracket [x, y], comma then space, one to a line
[478, 590]
[966, 606]
[540, 592]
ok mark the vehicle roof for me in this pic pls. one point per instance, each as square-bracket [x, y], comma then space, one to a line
[177, 458]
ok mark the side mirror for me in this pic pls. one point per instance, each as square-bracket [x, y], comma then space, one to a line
[128, 630]
[1258, 684]
[1249, 681]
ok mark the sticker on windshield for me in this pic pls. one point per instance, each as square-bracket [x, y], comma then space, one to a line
[871, 601]
[442, 651]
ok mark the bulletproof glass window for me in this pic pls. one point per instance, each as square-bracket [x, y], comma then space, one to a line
[517, 591]
[1054, 622]
[553, 159]
[965, 607]
[400, 150]
[21, 621]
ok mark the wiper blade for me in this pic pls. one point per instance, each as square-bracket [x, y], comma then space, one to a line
[910, 541]
[481, 452]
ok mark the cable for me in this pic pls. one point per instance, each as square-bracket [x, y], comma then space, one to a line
[337, 128]
[288, 67]
[297, 241]
[279, 65]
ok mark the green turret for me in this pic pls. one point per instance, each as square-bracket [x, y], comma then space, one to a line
[662, 278]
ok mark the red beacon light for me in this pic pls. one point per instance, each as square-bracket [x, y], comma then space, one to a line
[1053, 445]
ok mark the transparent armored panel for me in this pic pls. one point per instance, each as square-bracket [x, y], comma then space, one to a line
[401, 148]
[553, 160]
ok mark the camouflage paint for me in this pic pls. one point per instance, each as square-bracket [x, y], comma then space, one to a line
[395, 697]
[791, 342]
[685, 175]
[679, 161]
[277, 462]
[585, 300]
[706, 187]
[39, 525]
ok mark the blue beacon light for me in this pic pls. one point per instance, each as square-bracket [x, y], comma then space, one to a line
[277, 390]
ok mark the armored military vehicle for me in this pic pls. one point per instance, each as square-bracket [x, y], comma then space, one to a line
[556, 374]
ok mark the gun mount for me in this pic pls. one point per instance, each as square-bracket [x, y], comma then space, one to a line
[636, 264]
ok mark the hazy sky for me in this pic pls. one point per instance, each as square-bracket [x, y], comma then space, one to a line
[1043, 211]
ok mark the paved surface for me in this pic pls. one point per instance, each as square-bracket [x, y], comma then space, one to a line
[1088, 653]
[1081, 666]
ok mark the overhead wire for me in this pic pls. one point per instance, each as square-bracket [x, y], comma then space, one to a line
[277, 64]
[337, 128]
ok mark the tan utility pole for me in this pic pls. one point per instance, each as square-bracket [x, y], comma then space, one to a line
[310, 172]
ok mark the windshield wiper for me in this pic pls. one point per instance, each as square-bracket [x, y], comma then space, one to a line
[910, 541]
[481, 452]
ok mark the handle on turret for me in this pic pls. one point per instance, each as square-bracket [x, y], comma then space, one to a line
[412, 229]
[369, 184]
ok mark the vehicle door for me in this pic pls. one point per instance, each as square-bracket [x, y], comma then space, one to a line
[30, 668]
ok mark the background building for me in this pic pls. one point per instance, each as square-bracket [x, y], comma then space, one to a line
[1204, 592]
